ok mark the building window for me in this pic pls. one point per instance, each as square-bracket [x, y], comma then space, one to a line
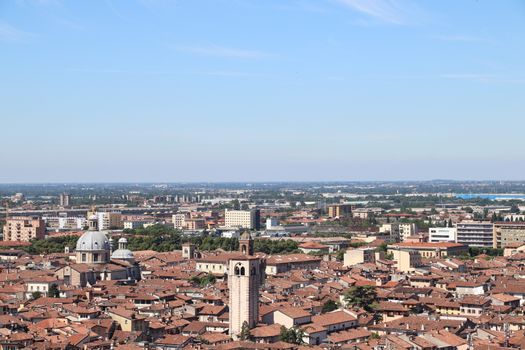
[83, 257]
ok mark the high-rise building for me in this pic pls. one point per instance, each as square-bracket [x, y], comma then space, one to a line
[507, 232]
[23, 228]
[249, 219]
[65, 199]
[475, 233]
[245, 275]
[339, 210]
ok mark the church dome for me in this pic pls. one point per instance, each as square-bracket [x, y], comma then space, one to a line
[122, 254]
[93, 241]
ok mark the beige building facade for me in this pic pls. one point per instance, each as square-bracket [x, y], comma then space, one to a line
[240, 219]
[358, 256]
[24, 229]
[406, 260]
[508, 233]
[339, 210]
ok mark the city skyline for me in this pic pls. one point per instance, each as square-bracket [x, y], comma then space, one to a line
[229, 91]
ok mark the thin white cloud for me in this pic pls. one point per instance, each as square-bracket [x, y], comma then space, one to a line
[8, 33]
[389, 11]
[222, 51]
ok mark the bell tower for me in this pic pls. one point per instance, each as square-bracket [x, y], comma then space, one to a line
[92, 223]
[243, 282]
[188, 250]
[246, 244]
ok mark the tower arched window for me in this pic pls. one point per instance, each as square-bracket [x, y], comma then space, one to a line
[244, 248]
[243, 271]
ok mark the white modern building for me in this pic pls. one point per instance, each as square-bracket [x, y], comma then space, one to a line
[271, 223]
[441, 234]
[399, 230]
[230, 234]
[133, 224]
[62, 222]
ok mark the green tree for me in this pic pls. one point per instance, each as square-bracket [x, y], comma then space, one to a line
[36, 295]
[53, 291]
[330, 305]
[245, 332]
[51, 245]
[382, 247]
[292, 335]
[340, 255]
[204, 280]
[361, 296]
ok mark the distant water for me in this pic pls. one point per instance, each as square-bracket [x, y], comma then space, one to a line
[490, 196]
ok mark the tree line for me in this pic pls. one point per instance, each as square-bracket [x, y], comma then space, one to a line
[165, 239]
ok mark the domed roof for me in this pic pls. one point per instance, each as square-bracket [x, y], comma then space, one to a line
[245, 235]
[123, 240]
[93, 240]
[122, 254]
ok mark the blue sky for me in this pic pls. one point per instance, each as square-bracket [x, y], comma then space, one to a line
[238, 90]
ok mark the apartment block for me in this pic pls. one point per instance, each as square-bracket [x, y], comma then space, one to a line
[179, 221]
[249, 219]
[339, 210]
[64, 199]
[399, 230]
[63, 222]
[508, 233]
[475, 233]
[24, 229]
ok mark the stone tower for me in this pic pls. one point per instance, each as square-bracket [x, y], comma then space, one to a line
[244, 278]
[246, 243]
[188, 250]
